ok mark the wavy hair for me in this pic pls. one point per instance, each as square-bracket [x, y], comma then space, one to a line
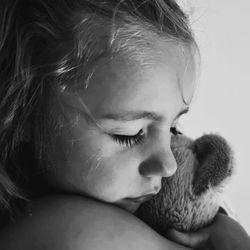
[47, 45]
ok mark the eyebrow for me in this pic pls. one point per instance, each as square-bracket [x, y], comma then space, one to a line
[134, 115]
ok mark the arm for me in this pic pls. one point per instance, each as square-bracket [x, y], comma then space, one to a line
[73, 223]
[224, 233]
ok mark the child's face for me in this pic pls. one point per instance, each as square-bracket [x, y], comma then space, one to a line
[129, 152]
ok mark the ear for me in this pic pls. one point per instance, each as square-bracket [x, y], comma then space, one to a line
[214, 158]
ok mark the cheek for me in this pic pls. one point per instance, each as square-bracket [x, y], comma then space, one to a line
[92, 163]
[115, 177]
[88, 169]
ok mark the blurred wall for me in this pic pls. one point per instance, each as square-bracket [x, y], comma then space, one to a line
[222, 102]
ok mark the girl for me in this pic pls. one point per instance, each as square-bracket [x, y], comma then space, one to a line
[90, 94]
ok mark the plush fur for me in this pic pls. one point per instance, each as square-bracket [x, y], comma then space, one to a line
[190, 198]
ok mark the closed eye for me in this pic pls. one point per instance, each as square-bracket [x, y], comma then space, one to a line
[129, 140]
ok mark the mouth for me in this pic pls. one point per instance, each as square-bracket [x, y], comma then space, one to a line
[131, 204]
[140, 199]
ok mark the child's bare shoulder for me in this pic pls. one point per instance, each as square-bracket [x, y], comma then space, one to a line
[74, 223]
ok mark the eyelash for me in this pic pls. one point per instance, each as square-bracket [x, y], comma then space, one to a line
[130, 141]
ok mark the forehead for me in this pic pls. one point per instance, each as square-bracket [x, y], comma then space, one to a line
[119, 84]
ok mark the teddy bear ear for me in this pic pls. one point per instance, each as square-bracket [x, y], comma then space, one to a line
[214, 162]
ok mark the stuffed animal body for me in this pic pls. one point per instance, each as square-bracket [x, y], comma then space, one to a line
[191, 197]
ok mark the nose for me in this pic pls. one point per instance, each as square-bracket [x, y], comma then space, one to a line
[161, 163]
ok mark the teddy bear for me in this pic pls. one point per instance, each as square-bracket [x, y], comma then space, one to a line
[191, 197]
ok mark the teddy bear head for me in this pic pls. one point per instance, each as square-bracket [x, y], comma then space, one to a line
[191, 197]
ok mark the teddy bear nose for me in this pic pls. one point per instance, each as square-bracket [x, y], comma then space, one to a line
[214, 162]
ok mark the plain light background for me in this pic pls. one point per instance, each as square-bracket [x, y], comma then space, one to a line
[222, 103]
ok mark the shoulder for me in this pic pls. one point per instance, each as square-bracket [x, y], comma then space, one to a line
[74, 223]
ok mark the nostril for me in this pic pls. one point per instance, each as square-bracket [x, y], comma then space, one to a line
[154, 166]
[150, 167]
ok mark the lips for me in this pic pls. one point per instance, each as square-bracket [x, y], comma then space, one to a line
[141, 199]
